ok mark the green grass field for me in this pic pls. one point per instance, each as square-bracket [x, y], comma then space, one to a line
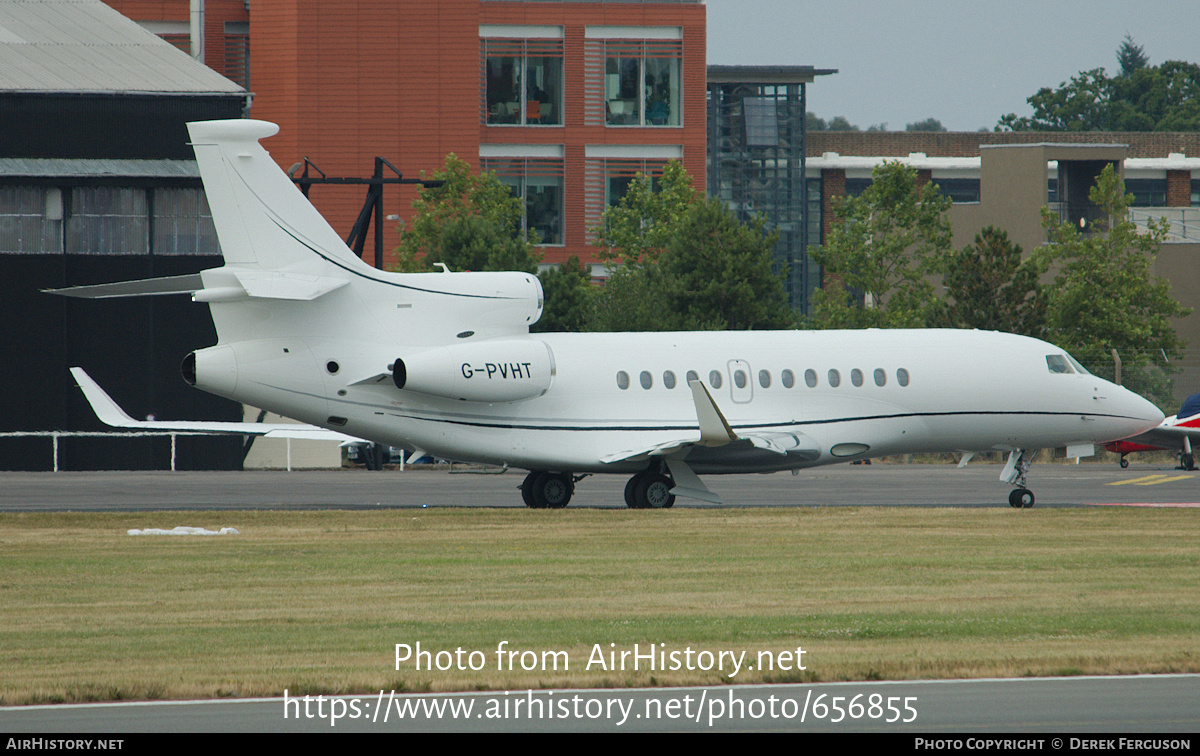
[315, 602]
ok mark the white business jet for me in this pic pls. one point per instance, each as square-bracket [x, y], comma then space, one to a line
[450, 366]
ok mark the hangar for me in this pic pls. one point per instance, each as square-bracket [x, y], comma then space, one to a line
[97, 184]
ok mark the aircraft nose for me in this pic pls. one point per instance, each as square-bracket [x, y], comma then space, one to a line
[1140, 411]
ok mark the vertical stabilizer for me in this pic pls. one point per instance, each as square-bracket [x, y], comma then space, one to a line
[261, 218]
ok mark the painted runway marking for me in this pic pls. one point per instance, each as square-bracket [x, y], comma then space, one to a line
[1180, 505]
[1149, 480]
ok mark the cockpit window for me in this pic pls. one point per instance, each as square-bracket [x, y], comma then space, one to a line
[1078, 368]
[1058, 363]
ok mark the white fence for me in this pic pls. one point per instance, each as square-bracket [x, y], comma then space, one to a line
[174, 435]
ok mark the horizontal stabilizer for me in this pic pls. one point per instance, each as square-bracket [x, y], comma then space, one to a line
[269, 284]
[146, 287]
[110, 413]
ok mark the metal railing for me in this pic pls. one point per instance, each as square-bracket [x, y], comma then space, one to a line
[174, 435]
[1184, 221]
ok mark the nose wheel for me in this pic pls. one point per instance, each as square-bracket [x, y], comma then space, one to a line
[1021, 498]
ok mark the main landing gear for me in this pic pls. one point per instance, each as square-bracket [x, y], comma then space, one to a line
[547, 490]
[649, 489]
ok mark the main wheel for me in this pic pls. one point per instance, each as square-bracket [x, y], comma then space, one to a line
[556, 489]
[541, 490]
[1021, 498]
[654, 492]
[631, 491]
[1187, 462]
[1124, 463]
[529, 489]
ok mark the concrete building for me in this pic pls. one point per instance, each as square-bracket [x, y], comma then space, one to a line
[1005, 179]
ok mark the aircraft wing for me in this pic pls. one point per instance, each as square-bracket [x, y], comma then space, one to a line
[1170, 434]
[715, 438]
[110, 413]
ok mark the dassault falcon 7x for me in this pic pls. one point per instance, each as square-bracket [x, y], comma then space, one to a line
[449, 366]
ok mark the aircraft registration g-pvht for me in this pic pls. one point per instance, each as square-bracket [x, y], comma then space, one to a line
[450, 367]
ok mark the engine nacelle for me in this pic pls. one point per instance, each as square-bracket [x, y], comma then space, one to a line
[494, 370]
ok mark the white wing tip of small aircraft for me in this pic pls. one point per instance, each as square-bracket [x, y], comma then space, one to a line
[109, 412]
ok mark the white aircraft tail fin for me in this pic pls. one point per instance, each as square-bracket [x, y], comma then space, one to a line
[262, 219]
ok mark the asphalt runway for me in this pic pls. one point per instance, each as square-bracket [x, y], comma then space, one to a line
[915, 485]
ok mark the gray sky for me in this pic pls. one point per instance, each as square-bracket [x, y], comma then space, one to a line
[964, 62]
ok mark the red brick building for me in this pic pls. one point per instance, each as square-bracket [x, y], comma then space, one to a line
[564, 100]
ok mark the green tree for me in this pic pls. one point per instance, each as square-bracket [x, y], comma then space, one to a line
[929, 124]
[469, 222]
[1140, 98]
[1131, 57]
[638, 227]
[989, 286]
[569, 297]
[685, 263]
[473, 222]
[1103, 296]
[883, 247]
[841, 123]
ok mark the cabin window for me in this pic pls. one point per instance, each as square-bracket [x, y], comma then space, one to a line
[739, 378]
[669, 379]
[646, 379]
[835, 378]
[880, 377]
[856, 377]
[902, 377]
[764, 378]
[714, 379]
[1058, 364]
[692, 375]
[788, 379]
[622, 380]
[810, 378]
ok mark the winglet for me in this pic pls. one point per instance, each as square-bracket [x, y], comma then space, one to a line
[109, 412]
[714, 428]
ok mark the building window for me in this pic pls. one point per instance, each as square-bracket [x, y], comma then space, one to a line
[30, 220]
[856, 186]
[959, 190]
[633, 76]
[609, 170]
[237, 52]
[183, 224]
[107, 220]
[523, 82]
[538, 182]
[641, 82]
[1147, 192]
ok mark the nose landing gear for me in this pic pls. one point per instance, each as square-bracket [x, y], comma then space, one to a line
[1015, 473]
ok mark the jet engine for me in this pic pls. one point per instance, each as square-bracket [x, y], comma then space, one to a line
[495, 370]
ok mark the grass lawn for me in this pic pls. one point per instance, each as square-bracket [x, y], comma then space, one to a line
[315, 602]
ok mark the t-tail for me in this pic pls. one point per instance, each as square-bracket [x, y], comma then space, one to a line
[293, 300]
